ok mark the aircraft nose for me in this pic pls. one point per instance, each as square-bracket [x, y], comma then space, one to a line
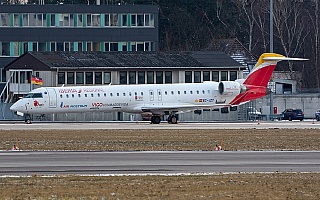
[16, 107]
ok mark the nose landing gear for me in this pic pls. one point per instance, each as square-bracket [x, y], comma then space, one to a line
[27, 119]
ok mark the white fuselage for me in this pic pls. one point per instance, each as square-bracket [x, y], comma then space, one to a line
[154, 98]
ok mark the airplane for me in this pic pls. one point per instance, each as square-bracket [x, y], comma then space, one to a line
[157, 99]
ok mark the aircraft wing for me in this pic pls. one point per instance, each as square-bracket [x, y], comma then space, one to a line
[177, 108]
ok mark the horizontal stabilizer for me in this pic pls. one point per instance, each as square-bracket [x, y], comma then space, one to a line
[283, 58]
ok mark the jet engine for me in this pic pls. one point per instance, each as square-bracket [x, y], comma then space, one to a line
[231, 88]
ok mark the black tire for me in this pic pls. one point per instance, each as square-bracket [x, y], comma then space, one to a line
[289, 119]
[318, 118]
[155, 120]
[174, 120]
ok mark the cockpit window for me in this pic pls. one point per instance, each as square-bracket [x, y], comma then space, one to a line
[34, 95]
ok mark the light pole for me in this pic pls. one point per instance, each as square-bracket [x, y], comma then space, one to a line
[271, 50]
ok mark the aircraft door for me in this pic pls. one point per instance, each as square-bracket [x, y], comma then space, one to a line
[151, 95]
[52, 97]
[159, 95]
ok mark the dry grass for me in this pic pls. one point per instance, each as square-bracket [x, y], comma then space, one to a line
[139, 140]
[222, 186]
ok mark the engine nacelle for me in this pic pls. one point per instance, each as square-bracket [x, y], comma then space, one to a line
[231, 88]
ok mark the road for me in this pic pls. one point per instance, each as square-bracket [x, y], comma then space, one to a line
[19, 163]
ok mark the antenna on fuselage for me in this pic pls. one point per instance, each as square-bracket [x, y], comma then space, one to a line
[62, 85]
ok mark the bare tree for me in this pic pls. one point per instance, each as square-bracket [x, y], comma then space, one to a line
[290, 27]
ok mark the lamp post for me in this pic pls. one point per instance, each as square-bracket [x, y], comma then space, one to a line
[271, 50]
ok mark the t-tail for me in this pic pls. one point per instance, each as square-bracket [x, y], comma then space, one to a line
[256, 83]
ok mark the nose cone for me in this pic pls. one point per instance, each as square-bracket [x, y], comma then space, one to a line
[17, 107]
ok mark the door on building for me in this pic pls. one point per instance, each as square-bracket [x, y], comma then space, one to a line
[52, 97]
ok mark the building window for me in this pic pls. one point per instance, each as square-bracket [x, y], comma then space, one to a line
[4, 19]
[52, 20]
[233, 75]
[149, 20]
[98, 77]
[168, 77]
[123, 77]
[113, 19]
[61, 78]
[133, 20]
[140, 46]
[113, 46]
[159, 77]
[132, 77]
[140, 20]
[79, 78]
[70, 78]
[79, 20]
[206, 76]
[224, 75]
[107, 78]
[96, 20]
[215, 76]
[188, 76]
[89, 77]
[197, 77]
[124, 20]
[141, 78]
[150, 77]
[25, 20]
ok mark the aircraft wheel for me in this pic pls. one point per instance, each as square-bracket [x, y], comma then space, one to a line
[318, 118]
[155, 120]
[174, 120]
[28, 121]
[290, 119]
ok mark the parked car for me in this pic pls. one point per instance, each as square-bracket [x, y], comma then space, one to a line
[253, 113]
[293, 114]
[317, 115]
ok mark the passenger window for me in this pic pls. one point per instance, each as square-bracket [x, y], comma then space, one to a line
[185, 92]
[165, 92]
[85, 95]
[208, 91]
[118, 94]
[135, 93]
[197, 91]
[60, 95]
[124, 94]
[79, 95]
[141, 93]
[178, 92]
[172, 92]
[111, 94]
[190, 91]
[98, 94]
[67, 95]
[72, 95]
[105, 94]
[91, 95]
[130, 94]
[203, 92]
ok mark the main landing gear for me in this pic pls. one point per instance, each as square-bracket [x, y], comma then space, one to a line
[172, 119]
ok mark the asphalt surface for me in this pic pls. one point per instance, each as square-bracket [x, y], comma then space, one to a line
[146, 125]
[19, 163]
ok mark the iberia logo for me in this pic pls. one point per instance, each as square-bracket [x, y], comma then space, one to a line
[36, 103]
[80, 91]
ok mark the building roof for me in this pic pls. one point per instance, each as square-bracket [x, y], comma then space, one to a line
[43, 61]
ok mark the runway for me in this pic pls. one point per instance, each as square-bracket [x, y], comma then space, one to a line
[154, 163]
[146, 125]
